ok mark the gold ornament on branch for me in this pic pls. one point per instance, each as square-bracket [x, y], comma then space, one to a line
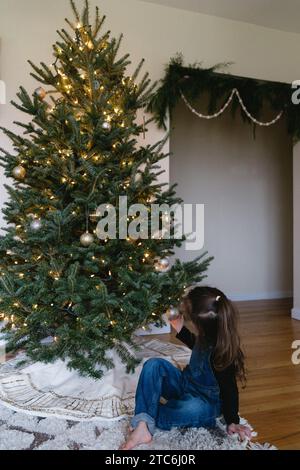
[40, 93]
[19, 172]
[86, 239]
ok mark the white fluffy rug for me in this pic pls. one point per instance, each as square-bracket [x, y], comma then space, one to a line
[19, 431]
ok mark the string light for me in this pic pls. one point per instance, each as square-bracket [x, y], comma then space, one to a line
[55, 275]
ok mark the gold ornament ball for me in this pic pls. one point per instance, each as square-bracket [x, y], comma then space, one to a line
[19, 172]
[86, 239]
[40, 93]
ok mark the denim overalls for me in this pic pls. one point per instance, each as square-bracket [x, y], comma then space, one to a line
[193, 395]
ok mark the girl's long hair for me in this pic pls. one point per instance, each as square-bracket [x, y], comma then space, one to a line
[216, 320]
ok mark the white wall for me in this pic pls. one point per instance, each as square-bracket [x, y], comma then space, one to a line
[28, 28]
[246, 185]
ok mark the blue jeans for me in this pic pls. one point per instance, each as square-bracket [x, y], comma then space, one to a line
[193, 396]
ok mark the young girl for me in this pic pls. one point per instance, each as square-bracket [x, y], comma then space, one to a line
[207, 387]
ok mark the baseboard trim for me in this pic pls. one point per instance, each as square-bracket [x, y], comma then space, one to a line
[296, 313]
[261, 296]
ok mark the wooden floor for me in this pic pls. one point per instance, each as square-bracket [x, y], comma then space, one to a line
[271, 399]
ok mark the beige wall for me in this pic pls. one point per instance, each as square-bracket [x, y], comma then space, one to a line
[246, 186]
[296, 309]
[28, 27]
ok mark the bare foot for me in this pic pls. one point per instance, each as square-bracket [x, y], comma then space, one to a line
[140, 435]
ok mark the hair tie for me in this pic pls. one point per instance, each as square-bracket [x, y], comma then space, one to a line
[218, 298]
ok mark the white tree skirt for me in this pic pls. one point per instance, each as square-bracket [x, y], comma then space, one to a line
[54, 390]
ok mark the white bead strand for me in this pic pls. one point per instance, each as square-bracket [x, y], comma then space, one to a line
[221, 111]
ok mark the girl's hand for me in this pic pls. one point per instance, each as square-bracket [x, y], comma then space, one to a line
[243, 431]
[177, 323]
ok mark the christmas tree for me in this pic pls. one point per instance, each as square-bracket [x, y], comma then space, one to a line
[65, 292]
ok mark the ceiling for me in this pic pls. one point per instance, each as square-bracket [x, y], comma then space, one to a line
[277, 14]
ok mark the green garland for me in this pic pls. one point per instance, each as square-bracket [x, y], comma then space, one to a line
[194, 81]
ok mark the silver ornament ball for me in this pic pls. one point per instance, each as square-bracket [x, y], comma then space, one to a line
[86, 239]
[19, 172]
[40, 93]
[36, 225]
[106, 126]
[162, 265]
[96, 84]
[172, 313]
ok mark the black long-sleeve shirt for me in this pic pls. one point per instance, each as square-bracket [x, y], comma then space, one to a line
[226, 379]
